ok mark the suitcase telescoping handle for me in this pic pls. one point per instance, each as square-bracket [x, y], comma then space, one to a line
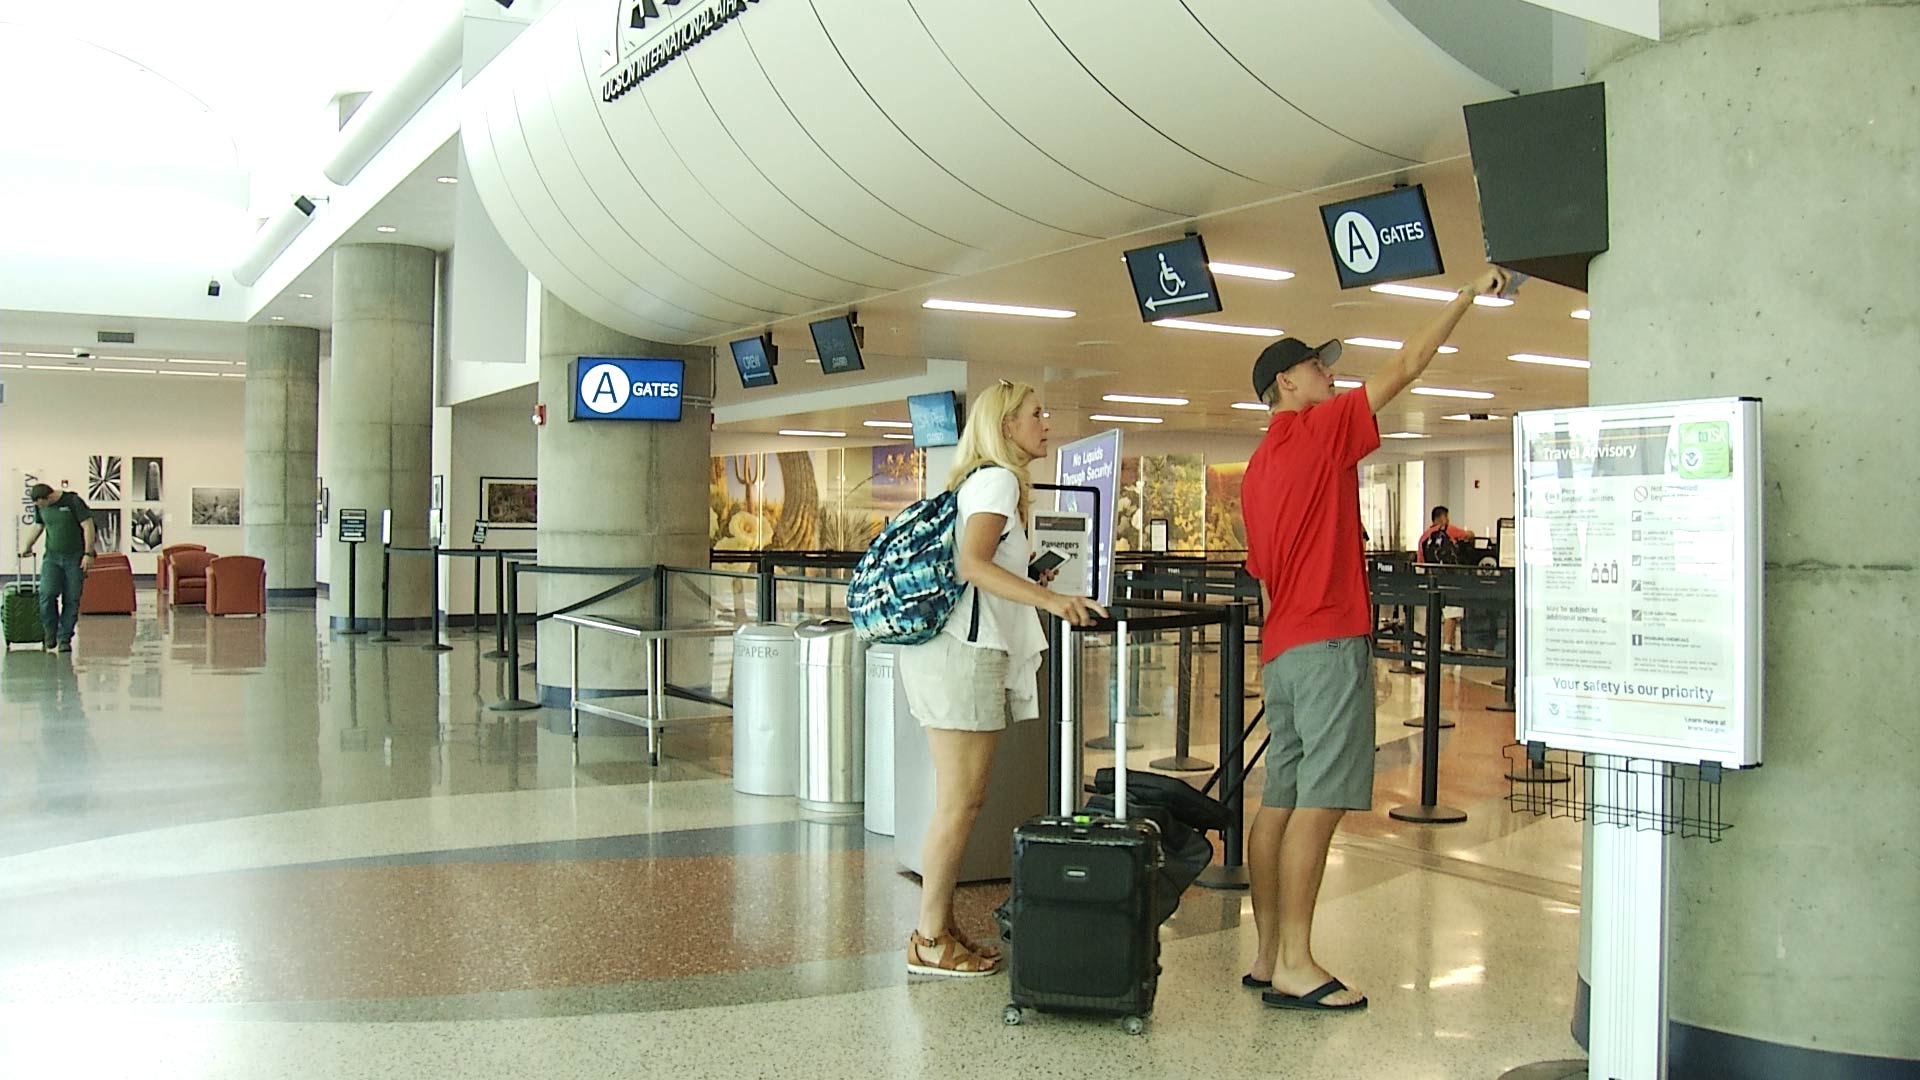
[1121, 664]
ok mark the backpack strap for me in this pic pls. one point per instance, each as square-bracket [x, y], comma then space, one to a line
[973, 628]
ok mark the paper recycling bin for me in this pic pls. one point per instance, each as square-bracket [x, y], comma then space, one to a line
[886, 707]
[833, 718]
[766, 709]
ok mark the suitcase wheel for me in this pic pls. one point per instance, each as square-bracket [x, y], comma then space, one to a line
[1134, 1025]
[1012, 1016]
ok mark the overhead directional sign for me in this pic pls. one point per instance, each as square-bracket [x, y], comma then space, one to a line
[1384, 237]
[1171, 281]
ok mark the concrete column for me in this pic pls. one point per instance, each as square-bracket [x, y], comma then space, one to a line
[380, 420]
[1761, 179]
[614, 493]
[282, 440]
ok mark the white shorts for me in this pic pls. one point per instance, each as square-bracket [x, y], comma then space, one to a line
[956, 686]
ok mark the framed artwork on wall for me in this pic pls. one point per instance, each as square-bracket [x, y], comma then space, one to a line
[106, 531]
[510, 502]
[144, 483]
[149, 533]
[216, 506]
[103, 478]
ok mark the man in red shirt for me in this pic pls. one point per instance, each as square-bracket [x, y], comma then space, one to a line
[1301, 501]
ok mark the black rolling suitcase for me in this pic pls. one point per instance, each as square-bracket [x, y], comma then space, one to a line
[1084, 920]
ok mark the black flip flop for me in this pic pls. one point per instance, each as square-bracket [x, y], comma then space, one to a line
[1313, 1001]
[1252, 983]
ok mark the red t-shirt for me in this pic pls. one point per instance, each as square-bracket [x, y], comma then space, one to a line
[1301, 502]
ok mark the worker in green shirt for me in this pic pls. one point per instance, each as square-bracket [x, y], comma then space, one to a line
[68, 525]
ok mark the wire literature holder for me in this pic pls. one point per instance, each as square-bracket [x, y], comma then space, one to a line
[1649, 796]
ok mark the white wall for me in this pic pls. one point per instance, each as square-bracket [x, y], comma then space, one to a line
[53, 421]
[1488, 495]
[490, 438]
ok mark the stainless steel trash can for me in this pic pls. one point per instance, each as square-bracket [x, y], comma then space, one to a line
[833, 718]
[886, 708]
[766, 709]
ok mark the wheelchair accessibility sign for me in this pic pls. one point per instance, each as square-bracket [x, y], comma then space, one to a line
[614, 388]
[1384, 237]
[1171, 281]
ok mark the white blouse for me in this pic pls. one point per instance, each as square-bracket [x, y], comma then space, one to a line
[1003, 624]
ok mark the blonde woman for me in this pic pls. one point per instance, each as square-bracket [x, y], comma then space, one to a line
[982, 669]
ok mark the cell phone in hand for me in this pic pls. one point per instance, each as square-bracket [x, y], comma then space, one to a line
[1047, 561]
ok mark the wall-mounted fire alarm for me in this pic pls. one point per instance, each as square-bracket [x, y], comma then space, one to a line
[539, 416]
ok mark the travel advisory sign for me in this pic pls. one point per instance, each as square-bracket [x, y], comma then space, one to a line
[1639, 580]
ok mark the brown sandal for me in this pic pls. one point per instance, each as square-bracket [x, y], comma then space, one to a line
[989, 953]
[944, 956]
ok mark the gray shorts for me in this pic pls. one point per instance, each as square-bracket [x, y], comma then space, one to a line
[1320, 714]
[953, 685]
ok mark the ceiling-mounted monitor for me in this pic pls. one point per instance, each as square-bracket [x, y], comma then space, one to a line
[936, 418]
[755, 357]
[1384, 237]
[837, 342]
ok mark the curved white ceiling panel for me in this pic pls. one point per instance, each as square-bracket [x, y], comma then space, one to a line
[923, 96]
[1177, 78]
[1357, 66]
[805, 154]
[1013, 60]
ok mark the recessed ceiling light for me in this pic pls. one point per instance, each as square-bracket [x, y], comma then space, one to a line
[1220, 328]
[1583, 313]
[1258, 273]
[1389, 343]
[806, 433]
[385, 228]
[233, 374]
[1348, 384]
[9, 354]
[304, 295]
[1442, 391]
[895, 435]
[1250, 406]
[1474, 416]
[1139, 399]
[278, 318]
[52, 367]
[1403, 435]
[1421, 292]
[1111, 418]
[1550, 361]
[14, 367]
[447, 179]
[998, 309]
[208, 363]
[51, 355]
[194, 374]
[126, 371]
[906, 425]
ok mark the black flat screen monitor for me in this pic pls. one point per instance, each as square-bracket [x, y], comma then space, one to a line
[936, 418]
[837, 345]
[755, 363]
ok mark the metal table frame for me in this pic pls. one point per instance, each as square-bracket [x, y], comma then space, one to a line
[656, 716]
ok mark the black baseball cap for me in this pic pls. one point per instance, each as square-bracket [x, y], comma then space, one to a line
[1285, 353]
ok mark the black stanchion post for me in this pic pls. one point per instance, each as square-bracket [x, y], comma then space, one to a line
[353, 590]
[513, 702]
[1057, 669]
[433, 604]
[1429, 811]
[1232, 873]
[385, 636]
[769, 598]
[499, 607]
[477, 628]
[1181, 760]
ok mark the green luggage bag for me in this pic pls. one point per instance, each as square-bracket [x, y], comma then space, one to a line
[20, 614]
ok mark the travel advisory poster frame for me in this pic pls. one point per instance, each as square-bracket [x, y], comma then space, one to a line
[1639, 580]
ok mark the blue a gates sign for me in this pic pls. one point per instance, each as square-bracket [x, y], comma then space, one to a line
[613, 388]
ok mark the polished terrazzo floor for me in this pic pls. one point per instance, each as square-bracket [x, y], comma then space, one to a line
[244, 848]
